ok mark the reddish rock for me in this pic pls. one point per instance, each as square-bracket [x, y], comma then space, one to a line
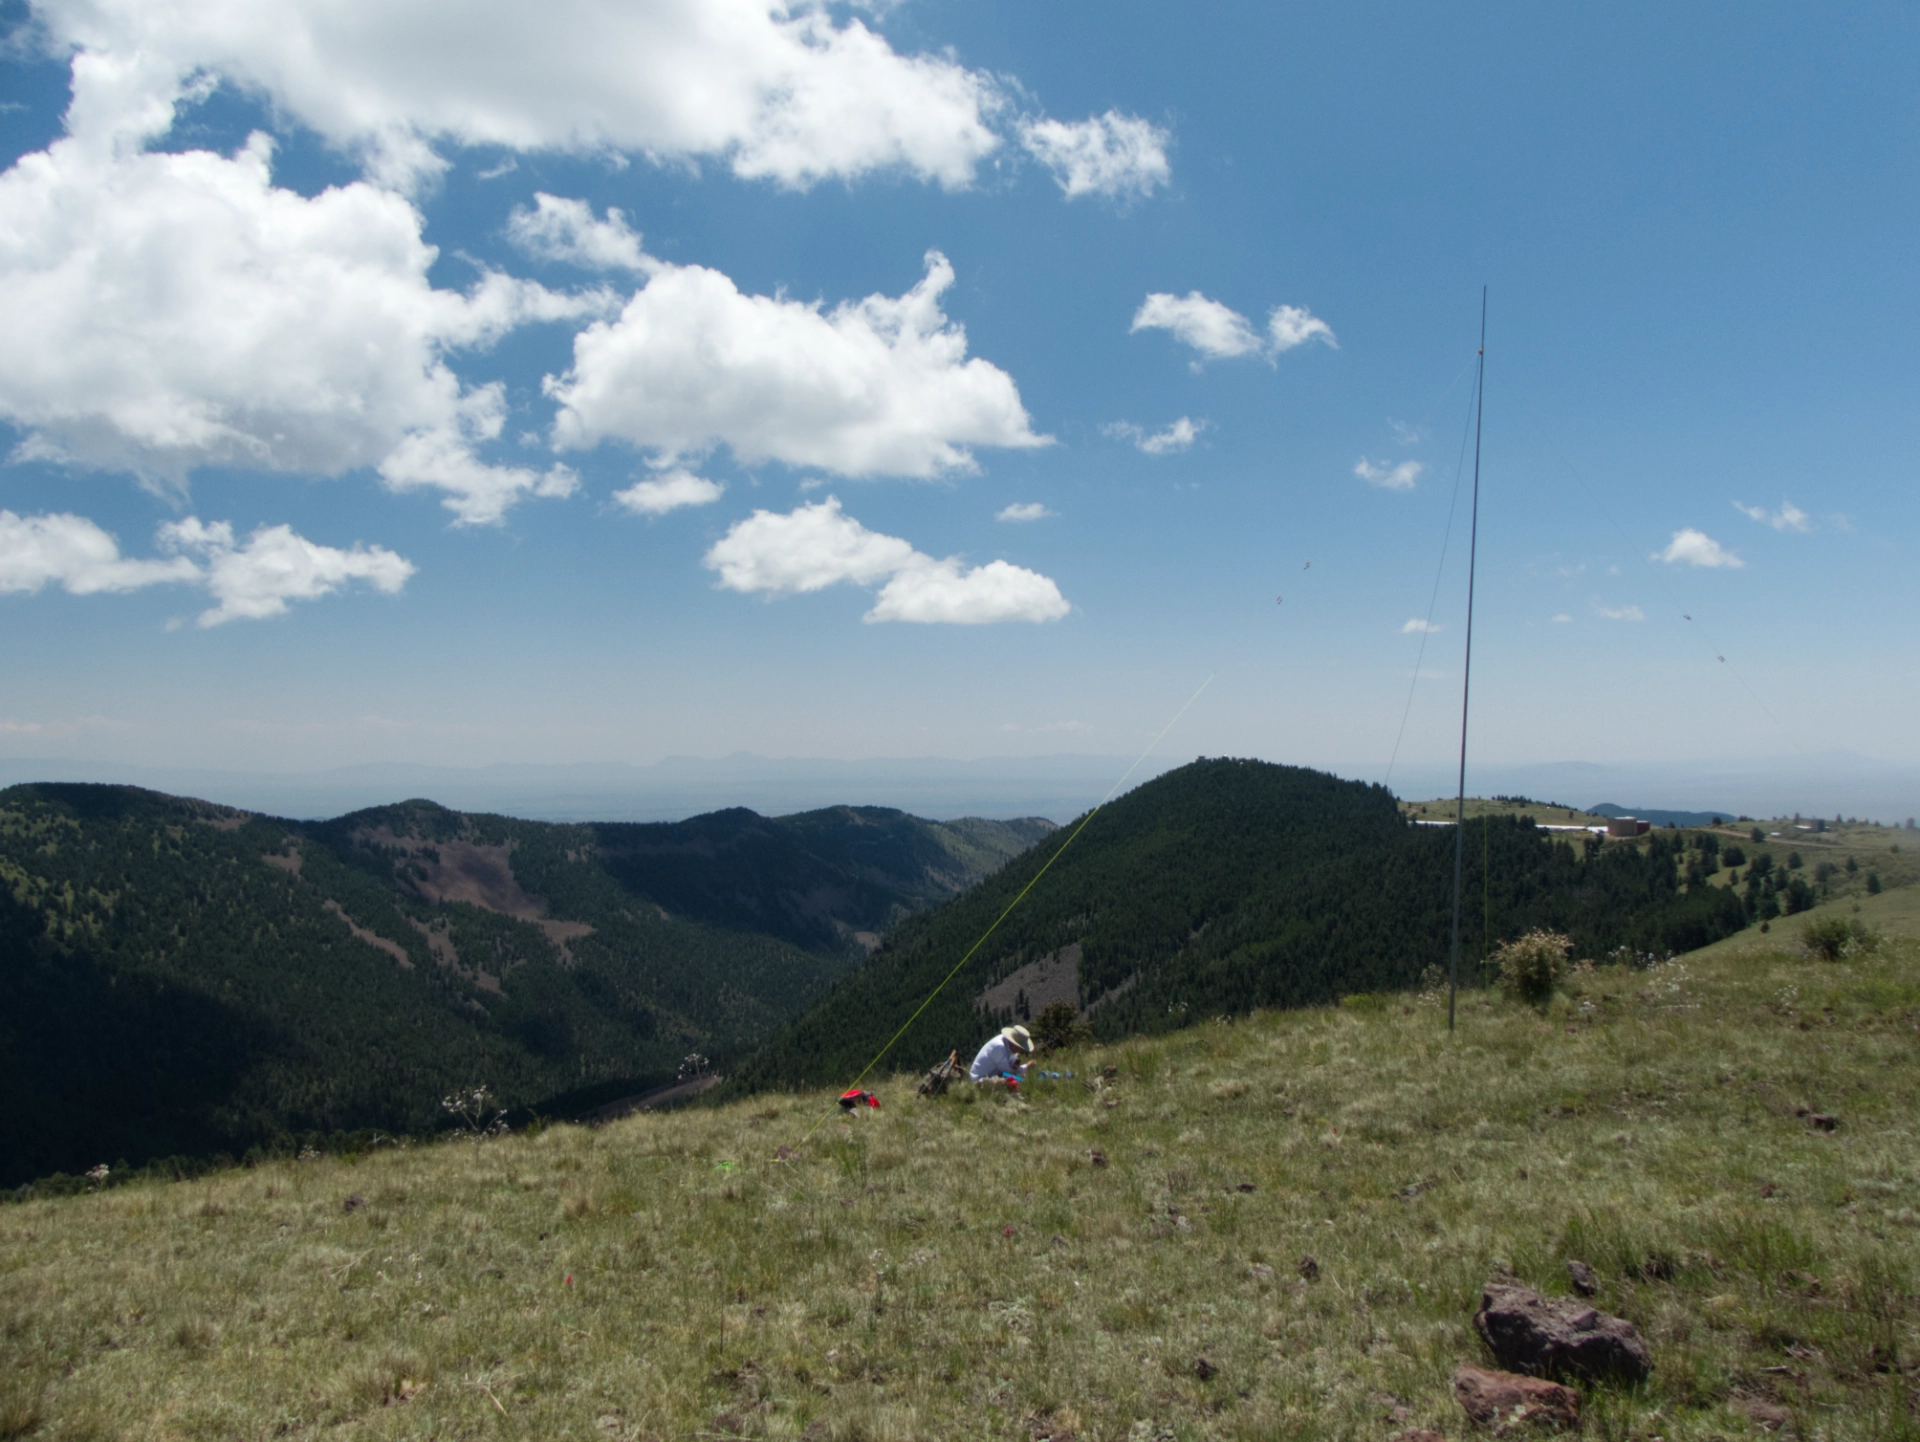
[1559, 1337]
[1499, 1400]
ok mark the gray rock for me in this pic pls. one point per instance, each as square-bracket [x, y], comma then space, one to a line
[1584, 1280]
[1559, 1337]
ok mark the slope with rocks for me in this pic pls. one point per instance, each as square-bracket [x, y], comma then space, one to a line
[1280, 1227]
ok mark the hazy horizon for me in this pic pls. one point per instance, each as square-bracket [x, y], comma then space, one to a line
[1057, 786]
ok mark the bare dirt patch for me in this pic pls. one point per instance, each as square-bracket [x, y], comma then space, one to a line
[289, 863]
[372, 938]
[562, 932]
[480, 876]
[462, 871]
[1054, 977]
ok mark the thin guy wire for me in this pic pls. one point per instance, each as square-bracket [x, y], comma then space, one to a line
[1439, 571]
[1466, 671]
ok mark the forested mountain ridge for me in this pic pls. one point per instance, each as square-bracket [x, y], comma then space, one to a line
[178, 978]
[817, 879]
[1228, 885]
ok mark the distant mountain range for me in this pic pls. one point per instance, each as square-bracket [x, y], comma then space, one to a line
[1056, 786]
[179, 977]
[668, 790]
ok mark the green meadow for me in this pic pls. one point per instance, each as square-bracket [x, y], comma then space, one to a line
[1123, 1254]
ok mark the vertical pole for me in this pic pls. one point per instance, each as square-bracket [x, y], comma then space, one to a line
[1486, 898]
[1466, 674]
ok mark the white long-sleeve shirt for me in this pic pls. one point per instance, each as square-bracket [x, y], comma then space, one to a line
[998, 1057]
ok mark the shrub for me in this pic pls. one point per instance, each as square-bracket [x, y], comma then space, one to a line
[1531, 967]
[1059, 1026]
[1873, 883]
[1830, 938]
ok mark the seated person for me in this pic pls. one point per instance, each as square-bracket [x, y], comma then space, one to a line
[1005, 1055]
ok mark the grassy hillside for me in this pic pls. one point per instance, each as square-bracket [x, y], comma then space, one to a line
[1228, 885]
[1062, 1263]
[178, 979]
[1542, 813]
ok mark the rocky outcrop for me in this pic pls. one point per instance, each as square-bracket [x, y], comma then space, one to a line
[1559, 1337]
[1584, 1280]
[1502, 1400]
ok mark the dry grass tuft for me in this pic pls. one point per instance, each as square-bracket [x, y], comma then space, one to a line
[1275, 1227]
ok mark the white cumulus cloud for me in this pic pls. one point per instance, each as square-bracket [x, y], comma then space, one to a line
[1563, 619]
[809, 549]
[1208, 326]
[1622, 613]
[1788, 518]
[1418, 627]
[818, 545]
[1112, 155]
[1023, 511]
[669, 492]
[255, 580]
[945, 593]
[880, 386]
[252, 581]
[1175, 438]
[75, 554]
[1292, 325]
[1221, 332]
[566, 230]
[775, 90]
[170, 311]
[1697, 548]
[1389, 476]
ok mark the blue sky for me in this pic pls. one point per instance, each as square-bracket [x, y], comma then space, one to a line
[320, 418]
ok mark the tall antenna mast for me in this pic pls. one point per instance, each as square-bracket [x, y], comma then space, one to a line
[1466, 675]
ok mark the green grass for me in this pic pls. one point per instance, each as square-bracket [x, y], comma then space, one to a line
[963, 1268]
[1443, 808]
